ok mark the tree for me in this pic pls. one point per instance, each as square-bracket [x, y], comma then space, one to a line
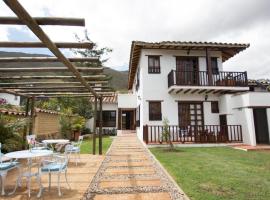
[94, 52]
[166, 133]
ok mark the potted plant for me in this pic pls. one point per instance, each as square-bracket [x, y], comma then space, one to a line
[77, 126]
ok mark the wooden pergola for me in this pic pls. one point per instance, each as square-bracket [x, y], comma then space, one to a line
[61, 78]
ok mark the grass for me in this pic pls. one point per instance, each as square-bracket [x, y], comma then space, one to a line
[87, 145]
[218, 173]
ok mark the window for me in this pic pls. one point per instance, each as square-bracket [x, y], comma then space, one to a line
[138, 116]
[138, 79]
[214, 65]
[155, 111]
[153, 64]
[214, 107]
[108, 118]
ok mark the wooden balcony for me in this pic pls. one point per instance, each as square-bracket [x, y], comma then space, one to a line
[198, 81]
[194, 134]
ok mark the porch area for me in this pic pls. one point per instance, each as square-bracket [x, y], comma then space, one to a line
[194, 134]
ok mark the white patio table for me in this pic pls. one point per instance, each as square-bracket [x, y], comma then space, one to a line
[27, 154]
[53, 142]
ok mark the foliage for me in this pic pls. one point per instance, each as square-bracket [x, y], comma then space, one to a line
[94, 52]
[78, 123]
[11, 133]
[65, 123]
[218, 172]
[166, 133]
[85, 131]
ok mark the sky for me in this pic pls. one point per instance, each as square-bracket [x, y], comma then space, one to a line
[116, 23]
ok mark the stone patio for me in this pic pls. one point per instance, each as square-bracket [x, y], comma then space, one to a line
[79, 178]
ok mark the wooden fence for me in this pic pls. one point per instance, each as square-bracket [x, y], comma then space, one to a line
[194, 134]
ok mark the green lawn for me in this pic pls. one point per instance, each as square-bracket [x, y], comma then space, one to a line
[87, 145]
[218, 173]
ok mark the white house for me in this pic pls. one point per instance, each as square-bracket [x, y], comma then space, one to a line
[185, 83]
[10, 99]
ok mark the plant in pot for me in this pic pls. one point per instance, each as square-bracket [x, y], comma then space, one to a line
[77, 126]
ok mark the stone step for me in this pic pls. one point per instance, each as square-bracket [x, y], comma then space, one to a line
[138, 196]
[130, 171]
[130, 164]
[129, 183]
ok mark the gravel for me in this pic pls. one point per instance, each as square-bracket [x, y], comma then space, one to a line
[166, 184]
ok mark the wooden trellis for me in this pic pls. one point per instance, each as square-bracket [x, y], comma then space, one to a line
[67, 79]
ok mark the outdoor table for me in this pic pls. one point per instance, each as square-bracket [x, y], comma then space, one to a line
[27, 154]
[53, 142]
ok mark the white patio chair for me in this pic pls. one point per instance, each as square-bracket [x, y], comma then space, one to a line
[5, 166]
[56, 164]
[74, 148]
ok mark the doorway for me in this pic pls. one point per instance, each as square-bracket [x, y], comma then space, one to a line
[187, 71]
[126, 119]
[261, 126]
[223, 137]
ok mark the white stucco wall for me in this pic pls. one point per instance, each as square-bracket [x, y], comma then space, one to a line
[11, 99]
[240, 111]
[127, 100]
[105, 106]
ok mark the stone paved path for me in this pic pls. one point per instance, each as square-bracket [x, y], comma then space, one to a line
[128, 172]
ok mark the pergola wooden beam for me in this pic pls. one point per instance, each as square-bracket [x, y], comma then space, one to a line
[62, 93]
[46, 59]
[48, 90]
[51, 87]
[73, 96]
[88, 77]
[24, 16]
[52, 83]
[81, 45]
[12, 92]
[50, 69]
[45, 21]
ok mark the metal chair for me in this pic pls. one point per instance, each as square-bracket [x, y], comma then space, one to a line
[56, 164]
[5, 166]
[74, 148]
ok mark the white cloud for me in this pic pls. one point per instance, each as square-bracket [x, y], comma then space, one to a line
[115, 23]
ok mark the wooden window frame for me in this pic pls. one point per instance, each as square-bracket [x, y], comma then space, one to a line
[154, 69]
[154, 117]
[106, 123]
[214, 107]
[138, 115]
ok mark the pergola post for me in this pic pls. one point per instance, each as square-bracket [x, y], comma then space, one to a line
[94, 127]
[100, 127]
[26, 117]
[32, 115]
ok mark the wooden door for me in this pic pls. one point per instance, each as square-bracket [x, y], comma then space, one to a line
[190, 113]
[261, 126]
[186, 71]
[223, 136]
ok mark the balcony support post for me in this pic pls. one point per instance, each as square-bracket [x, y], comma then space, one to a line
[209, 67]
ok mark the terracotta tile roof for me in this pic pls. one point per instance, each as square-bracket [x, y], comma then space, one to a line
[11, 112]
[109, 99]
[228, 50]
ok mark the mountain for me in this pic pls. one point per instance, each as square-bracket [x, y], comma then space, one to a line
[119, 79]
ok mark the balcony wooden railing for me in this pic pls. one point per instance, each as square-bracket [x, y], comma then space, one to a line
[194, 134]
[201, 78]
